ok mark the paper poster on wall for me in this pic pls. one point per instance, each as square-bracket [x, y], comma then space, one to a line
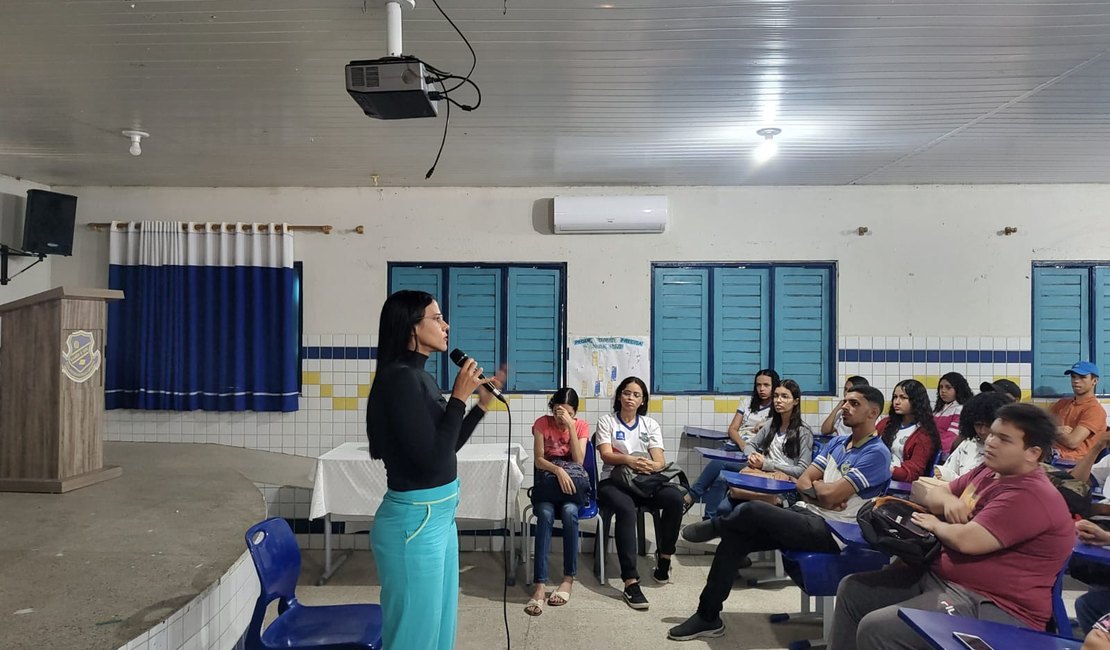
[599, 363]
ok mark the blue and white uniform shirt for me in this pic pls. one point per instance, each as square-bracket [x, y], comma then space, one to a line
[634, 438]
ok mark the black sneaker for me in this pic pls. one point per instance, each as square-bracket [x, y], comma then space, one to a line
[703, 531]
[696, 627]
[662, 574]
[634, 596]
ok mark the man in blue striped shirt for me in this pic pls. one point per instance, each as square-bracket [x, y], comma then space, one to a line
[848, 471]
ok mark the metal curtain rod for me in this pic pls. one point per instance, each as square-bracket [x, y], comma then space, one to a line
[231, 227]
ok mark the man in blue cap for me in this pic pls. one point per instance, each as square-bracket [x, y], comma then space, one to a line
[1082, 418]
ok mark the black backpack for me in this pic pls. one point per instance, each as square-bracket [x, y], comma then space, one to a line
[886, 524]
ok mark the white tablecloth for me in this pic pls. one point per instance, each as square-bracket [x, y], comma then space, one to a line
[350, 484]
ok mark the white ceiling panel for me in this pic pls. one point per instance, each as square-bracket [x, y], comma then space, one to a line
[251, 92]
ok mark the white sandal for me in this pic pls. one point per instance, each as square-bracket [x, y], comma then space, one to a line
[534, 607]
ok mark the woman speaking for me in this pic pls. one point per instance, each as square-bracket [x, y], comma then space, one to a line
[416, 432]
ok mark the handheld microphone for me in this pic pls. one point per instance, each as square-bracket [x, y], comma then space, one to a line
[458, 357]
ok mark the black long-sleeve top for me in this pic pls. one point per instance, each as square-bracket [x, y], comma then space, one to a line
[413, 428]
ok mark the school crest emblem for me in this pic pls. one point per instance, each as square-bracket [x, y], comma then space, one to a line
[80, 358]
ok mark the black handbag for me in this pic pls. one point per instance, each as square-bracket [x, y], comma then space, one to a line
[887, 525]
[645, 486]
[546, 488]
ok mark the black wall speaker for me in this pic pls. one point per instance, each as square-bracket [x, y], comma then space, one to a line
[48, 223]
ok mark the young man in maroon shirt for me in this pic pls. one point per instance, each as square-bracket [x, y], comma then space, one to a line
[1005, 535]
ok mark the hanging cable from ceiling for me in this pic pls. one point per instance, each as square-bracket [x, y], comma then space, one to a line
[441, 76]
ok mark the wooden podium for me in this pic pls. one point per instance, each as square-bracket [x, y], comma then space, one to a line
[52, 390]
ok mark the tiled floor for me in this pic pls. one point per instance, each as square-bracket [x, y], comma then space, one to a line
[596, 617]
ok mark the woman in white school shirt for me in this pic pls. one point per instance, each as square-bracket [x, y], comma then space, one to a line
[752, 416]
[709, 487]
[629, 437]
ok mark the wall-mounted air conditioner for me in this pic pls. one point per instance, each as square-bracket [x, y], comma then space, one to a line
[610, 214]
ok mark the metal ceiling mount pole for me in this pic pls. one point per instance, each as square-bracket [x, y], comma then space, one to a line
[393, 39]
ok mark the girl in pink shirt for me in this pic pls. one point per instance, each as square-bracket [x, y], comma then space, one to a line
[559, 441]
[953, 392]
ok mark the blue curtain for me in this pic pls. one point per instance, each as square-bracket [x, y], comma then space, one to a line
[208, 320]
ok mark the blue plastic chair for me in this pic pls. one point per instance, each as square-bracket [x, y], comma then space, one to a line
[938, 459]
[277, 559]
[585, 513]
[589, 463]
[818, 575]
[1060, 623]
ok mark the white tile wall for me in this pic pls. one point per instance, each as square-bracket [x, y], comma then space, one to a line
[215, 619]
[318, 426]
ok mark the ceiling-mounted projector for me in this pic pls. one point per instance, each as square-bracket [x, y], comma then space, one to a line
[392, 88]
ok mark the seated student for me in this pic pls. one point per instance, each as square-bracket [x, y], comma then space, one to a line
[1095, 574]
[752, 415]
[1003, 386]
[834, 423]
[1007, 535]
[749, 418]
[909, 431]
[782, 449]
[1082, 418]
[975, 424]
[1090, 466]
[629, 437]
[850, 470]
[1094, 604]
[952, 393]
[559, 443]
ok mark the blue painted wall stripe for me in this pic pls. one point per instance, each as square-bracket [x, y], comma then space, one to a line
[882, 355]
[338, 352]
[850, 355]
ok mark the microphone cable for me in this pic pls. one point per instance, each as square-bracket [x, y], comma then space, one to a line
[458, 357]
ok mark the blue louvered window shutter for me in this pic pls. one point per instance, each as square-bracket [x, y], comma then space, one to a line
[475, 317]
[534, 327]
[1100, 334]
[680, 329]
[741, 315]
[803, 318]
[418, 278]
[1061, 326]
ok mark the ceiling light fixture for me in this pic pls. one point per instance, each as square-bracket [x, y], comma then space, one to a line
[136, 148]
[768, 148]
